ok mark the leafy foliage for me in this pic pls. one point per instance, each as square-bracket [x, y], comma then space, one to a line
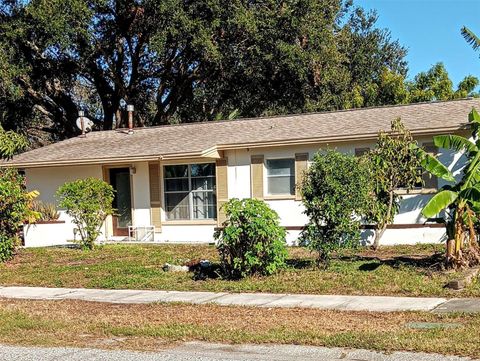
[46, 211]
[15, 209]
[470, 37]
[11, 143]
[188, 61]
[15, 202]
[7, 247]
[461, 201]
[435, 84]
[251, 240]
[394, 164]
[336, 193]
[89, 202]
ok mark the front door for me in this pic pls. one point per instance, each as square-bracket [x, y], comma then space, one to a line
[120, 181]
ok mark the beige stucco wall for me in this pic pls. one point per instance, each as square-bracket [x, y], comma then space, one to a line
[48, 180]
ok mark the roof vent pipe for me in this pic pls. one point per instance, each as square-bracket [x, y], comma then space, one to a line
[130, 109]
[81, 115]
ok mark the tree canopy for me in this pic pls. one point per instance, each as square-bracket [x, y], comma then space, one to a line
[186, 60]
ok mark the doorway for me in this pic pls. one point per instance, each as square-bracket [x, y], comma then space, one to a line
[120, 181]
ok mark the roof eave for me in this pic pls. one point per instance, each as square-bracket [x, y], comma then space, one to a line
[338, 139]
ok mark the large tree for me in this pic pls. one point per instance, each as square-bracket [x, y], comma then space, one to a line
[435, 84]
[187, 60]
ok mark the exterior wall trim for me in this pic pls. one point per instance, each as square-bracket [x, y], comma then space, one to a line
[368, 226]
[45, 222]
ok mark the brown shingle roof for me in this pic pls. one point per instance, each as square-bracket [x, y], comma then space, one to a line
[197, 139]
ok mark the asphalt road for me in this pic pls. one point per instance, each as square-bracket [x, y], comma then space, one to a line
[196, 351]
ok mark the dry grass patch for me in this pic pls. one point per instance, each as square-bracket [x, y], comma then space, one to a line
[155, 326]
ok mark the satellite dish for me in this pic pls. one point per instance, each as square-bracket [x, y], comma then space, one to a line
[87, 123]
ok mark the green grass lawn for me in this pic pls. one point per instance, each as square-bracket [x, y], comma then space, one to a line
[140, 267]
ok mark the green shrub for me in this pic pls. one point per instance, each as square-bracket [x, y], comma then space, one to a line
[251, 240]
[337, 191]
[89, 202]
[7, 247]
[11, 143]
[15, 209]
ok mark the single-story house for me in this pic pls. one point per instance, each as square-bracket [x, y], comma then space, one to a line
[172, 181]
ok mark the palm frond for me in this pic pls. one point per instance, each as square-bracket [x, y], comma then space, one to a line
[471, 38]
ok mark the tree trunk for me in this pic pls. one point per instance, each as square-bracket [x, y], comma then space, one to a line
[450, 245]
[107, 119]
[379, 231]
[118, 118]
[459, 237]
[378, 234]
[450, 252]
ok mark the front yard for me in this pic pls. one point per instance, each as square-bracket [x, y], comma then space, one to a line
[401, 271]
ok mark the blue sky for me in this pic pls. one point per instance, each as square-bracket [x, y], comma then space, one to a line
[430, 29]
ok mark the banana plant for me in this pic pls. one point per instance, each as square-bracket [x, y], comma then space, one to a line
[460, 200]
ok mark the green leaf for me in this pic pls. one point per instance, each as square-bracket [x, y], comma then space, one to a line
[435, 167]
[439, 202]
[471, 194]
[470, 37]
[455, 142]
[473, 116]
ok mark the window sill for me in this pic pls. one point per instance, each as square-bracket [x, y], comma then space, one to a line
[416, 191]
[190, 222]
[279, 197]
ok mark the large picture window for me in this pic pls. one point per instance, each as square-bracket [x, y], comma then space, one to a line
[281, 176]
[190, 191]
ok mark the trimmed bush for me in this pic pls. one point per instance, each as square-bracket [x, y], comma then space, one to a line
[251, 240]
[89, 202]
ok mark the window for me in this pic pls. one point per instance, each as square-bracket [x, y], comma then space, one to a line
[429, 181]
[281, 176]
[361, 151]
[190, 191]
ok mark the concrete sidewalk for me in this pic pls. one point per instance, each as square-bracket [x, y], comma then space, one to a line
[325, 302]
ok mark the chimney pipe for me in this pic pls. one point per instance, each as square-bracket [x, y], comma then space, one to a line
[130, 109]
[81, 115]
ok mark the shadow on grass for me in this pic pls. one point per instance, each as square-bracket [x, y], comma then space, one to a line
[203, 273]
[427, 263]
[300, 263]
[372, 266]
[432, 262]
[214, 270]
